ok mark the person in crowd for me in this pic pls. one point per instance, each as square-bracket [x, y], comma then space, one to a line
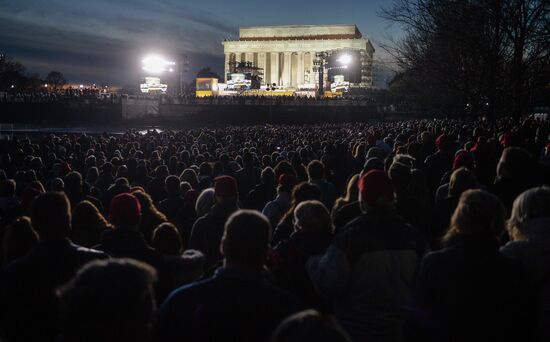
[222, 307]
[88, 224]
[529, 230]
[205, 176]
[350, 211]
[10, 205]
[438, 163]
[119, 186]
[469, 290]
[310, 326]
[462, 179]
[57, 185]
[312, 236]
[173, 202]
[368, 270]
[263, 192]
[106, 177]
[74, 188]
[18, 240]
[108, 300]
[190, 176]
[151, 217]
[274, 210]
[30, 281]
[248, 176]
[462, 159]
[185, 266]
[205, 201]
[316, 173]
[187, 216]
[155, 188]
[126, 241]
[302, 192]
[351, 195]
[516, 172]
[208, 230]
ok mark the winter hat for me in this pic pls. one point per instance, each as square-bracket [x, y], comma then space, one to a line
[125, 210]
[376, 188]
[225, 186]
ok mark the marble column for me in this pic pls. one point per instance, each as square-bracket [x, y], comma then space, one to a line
[226, 68]
[287, 69]
[249, 57]
[262, 64]
[274, 68]
[301, 70]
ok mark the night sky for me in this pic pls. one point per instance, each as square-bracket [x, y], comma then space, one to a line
[103, 41]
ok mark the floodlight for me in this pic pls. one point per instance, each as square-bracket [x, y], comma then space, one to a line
[156, 64]
[344, 59]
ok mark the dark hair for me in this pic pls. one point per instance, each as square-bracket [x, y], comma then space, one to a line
[87, 224]
[309, 325]
[51, 215]
[167, 239]
[108, 300]
[302, 192]
[246, 238]
[7, 188]
[172, 185]
[18, 239]
[315, 170]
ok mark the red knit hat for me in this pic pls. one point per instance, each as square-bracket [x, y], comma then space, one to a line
[225, 186]
[442, 142]
[125, 209]
[191, 196]
[376, 188]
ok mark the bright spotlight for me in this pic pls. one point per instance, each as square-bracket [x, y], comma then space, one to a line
[156, 64]
[344, 59]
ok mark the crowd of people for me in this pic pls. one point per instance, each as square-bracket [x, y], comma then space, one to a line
[86, 95]
[310, 99]
[418, 230]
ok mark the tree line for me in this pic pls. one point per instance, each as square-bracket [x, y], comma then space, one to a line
[480, 57]
[14, 77]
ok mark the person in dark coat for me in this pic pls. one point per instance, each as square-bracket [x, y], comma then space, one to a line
[126, 241]
[317, 176]
[110, 301]
[28, 310]
[237, 303]
[173, 202]
[262, 193]
[529, 230]
[469, 291]
[155, 188]
[247, 177]
[440, 162]
[288, 259]
[368, 270]
[208, 230]
[516, 172]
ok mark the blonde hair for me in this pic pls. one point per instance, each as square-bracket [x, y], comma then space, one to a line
[478, 215]
[461, 180]
[351, 194]
[530, 205]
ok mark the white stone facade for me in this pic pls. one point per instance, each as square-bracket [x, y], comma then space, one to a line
[286, 53]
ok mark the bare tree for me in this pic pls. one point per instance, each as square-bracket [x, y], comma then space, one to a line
[485, 54]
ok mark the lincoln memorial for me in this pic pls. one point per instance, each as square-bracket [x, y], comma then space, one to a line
[286, 54]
